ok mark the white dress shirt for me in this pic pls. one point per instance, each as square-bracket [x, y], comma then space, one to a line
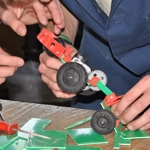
[105, 5]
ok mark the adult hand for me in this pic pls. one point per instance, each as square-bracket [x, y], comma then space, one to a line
[133, 103]
[17, 15]
[8, 65]
[48, 68]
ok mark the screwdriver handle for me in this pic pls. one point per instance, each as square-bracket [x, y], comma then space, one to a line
[8, 128]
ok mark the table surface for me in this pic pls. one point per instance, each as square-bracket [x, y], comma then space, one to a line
[22, 112]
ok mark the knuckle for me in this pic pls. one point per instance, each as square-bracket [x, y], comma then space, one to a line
[126, 118]
[146, 79]
[40, 68]
[48, 62]
[44, 79]
[129, 96]
[49, 75]
[138, 106]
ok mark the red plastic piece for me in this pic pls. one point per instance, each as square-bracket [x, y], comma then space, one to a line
[48, 40]
[117, 122]
[8, 128]
[94, 81]
[112, 99]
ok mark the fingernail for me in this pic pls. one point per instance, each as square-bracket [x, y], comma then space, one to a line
[142, 128]
[57, 31]
[20, 62]
[21, 31]
[117, 114]
[130, 127]
[122, 121]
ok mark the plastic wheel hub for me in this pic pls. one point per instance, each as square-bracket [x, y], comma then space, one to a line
[71, 77]
[103, 122]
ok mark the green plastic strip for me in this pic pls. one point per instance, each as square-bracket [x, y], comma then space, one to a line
[104, 106]
[62, 61]
[36, 124]
[78, 123]
[104, 88]
[6, 140]
[137, 134]
[17, 145]
[118, 140]
[86, 136]
[72, 147]
[64, 37]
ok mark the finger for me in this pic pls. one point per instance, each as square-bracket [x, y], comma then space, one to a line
[136, 108]
[58, 27]
[2, 80]
[129, 98]
[56, 89]
[142, 121]
[49, 73]
[50, 62]
[57, 30]
[146, 127]
[52, 85]
[60, 94]
[57, 14]
[46, 1]
[40, 12]
[7, 71]
[48, 14]
[113, 107]
[49, 77]
[9, 18]
[8, 60]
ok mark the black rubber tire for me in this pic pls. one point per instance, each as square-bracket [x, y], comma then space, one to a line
[103, 121]
[49, 53]
[88, 92]
[72, 77]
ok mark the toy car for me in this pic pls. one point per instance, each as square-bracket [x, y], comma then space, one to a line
[75, 76]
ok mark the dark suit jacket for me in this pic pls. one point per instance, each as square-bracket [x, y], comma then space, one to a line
[119, 44]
